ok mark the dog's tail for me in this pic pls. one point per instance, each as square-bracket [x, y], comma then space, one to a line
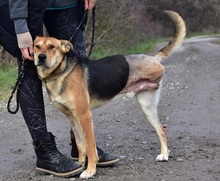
[178, 36]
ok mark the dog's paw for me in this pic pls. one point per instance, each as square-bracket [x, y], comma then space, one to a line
[87, 174]
[162, 158]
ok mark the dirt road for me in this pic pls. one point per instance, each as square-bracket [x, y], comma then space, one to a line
[189, 107]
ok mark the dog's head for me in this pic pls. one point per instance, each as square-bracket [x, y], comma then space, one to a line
[49, 53]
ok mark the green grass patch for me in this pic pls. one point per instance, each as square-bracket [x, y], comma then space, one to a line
[7, 81]
[195, 34]
[144, 48]
[206, 34]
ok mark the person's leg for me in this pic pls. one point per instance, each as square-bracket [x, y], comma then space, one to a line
[30, 97]
[62, 24]
[49, 159]
[31, 101]
[30, 94]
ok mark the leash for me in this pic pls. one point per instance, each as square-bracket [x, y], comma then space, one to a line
[92, 44]
[80, 24]
[17, 87]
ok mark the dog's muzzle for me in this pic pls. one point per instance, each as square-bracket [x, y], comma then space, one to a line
[42, 59]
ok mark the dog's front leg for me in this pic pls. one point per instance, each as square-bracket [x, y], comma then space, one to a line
[82, 127]
[87, 143]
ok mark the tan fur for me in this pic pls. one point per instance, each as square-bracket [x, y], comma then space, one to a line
[178, 36]
[66, 83]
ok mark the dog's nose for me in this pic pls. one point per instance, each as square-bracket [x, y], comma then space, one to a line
[42, 57]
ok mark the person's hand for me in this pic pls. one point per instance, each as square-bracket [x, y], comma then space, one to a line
[25, 43]
[89, 4]
[27, 53]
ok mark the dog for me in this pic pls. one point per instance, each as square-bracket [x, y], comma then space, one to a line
[77, 85]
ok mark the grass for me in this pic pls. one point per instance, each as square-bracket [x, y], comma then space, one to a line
[7, 80]
[144, 47]
[203, 34]
[207, 34]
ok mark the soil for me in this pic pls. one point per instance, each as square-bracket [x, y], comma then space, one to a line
[189, 108]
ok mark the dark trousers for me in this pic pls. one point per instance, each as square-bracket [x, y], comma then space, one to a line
[60, 24]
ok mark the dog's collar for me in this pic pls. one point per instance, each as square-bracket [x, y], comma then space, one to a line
[69, 65]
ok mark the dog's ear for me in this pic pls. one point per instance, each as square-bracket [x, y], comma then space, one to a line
[66, 46]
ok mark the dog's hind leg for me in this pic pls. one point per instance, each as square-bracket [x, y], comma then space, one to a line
[148, 101]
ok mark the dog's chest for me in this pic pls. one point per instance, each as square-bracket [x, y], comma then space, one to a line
[54, 91]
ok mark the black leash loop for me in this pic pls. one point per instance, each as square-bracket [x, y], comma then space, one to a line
[17, 87]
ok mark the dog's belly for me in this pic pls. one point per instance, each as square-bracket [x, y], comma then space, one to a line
[95, 102]
[142, 85]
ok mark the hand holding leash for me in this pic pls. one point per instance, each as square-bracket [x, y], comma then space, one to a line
[25, 43]
[27, 53]
[89, 4]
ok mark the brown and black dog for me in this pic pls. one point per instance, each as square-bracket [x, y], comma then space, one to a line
[75, 86]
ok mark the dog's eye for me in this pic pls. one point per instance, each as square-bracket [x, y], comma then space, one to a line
[37, 46]
[51, 47]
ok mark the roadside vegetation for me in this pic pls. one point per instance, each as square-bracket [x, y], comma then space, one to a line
[7, 81]
[128, 27]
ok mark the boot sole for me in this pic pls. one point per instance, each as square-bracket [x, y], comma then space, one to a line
[67, 174]
[101, 164]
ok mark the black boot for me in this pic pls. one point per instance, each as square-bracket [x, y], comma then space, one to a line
[105, 159]
[51, 161]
